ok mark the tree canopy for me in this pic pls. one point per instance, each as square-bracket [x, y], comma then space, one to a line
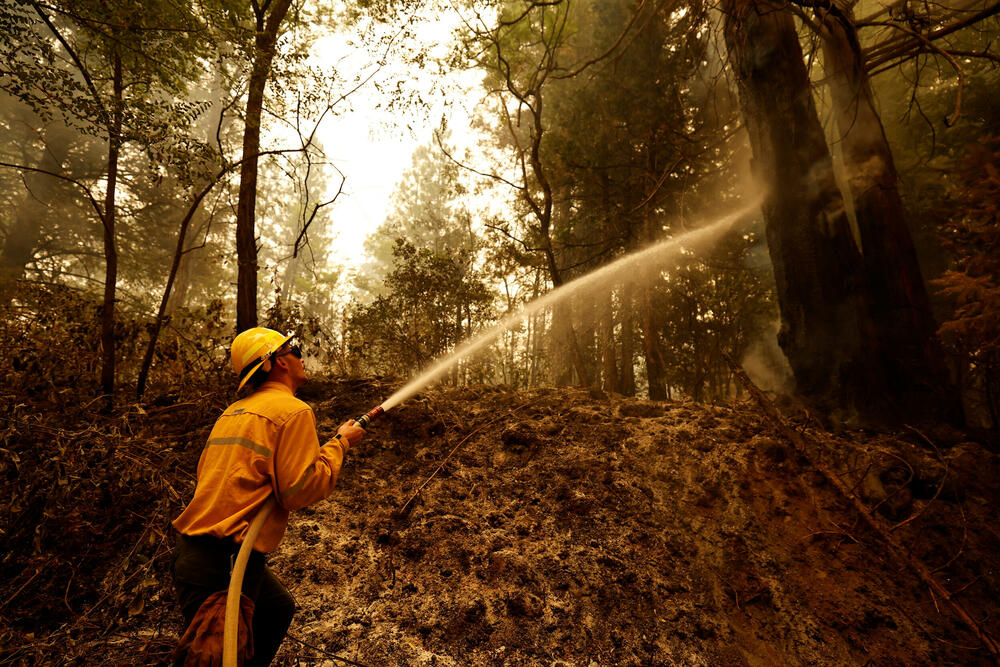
[160, 157]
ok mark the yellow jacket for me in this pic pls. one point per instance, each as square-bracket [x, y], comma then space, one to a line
[262, 445]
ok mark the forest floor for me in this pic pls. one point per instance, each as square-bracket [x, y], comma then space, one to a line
[557, 527]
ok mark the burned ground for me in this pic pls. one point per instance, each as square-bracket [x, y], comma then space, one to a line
[482, 526]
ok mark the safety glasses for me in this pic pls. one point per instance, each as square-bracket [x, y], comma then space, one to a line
[293, 350]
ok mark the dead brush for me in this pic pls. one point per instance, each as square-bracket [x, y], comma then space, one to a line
[86, 534]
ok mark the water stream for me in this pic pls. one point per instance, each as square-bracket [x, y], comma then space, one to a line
[618, 270]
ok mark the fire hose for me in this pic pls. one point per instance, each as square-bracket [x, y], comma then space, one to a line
[230, 637]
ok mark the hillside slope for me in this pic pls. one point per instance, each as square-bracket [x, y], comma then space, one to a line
[573, 530]
[483, 526]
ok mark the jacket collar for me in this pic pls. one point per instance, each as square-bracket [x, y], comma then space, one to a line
[278, 386]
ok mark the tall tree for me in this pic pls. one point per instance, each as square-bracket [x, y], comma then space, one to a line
[427, 212]
[631, 143]
[521, 54]
[826, 333]
[111, 70]
[899, 306]
[268, 17]
[114, 128]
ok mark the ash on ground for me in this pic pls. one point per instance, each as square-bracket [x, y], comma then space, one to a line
[482, 526]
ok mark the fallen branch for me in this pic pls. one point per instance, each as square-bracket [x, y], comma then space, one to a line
[325, 652]
[944, 478]
[873, 521]
[402, 510]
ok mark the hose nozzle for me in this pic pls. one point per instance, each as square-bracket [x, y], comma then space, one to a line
[366, 419]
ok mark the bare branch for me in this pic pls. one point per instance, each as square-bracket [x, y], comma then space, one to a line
[947, 56]
[316, 208]
[908, 48]
[659, 184]
[84, 72]
[86, 190]
[528, 9]
[495, 177]
[611, 49]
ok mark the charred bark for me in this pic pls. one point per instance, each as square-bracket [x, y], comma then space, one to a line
[825, 332]
[899, 306]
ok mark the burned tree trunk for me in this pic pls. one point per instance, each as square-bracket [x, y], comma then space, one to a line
[897, 297]
[825, 332]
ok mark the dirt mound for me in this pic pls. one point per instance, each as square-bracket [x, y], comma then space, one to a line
[568, 530]
[483, 526]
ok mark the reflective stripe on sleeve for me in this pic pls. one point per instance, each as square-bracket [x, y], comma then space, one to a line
[295, 488]
[242, 442]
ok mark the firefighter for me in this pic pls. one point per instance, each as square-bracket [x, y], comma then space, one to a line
[263, 445]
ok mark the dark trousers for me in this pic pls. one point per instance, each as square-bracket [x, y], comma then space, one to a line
[201, 567]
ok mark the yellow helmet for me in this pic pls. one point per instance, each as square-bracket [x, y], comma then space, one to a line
[251, 348]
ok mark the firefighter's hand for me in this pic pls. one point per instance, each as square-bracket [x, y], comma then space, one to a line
[350, 433]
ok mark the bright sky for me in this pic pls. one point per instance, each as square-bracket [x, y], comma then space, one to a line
[373, 145]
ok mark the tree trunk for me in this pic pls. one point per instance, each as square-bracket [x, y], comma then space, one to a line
[897, 297]
[182, 284]
[535, 320]
[32, 214]
[609, 362]
[651, 348]
[560, 356]
[288, 279]
[656, 376]
[606, 315]
[583, 375]
[626, 382]
[456, 370]
[246, 238]
[110, 246]
[161, 315]
[818, 269]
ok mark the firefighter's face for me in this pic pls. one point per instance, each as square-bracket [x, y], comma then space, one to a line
[289, 357]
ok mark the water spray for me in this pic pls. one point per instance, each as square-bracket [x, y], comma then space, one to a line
[620, 269]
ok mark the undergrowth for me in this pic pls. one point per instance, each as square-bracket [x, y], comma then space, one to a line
[85, 533]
